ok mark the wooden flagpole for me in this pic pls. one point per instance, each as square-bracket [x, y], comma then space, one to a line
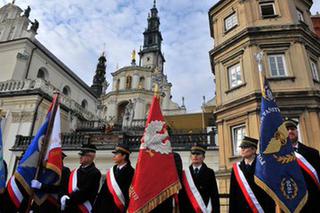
[44, 147]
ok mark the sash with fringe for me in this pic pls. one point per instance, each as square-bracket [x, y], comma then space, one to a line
[194, 195]
[246, 189]
[73, 180]
[115, 190]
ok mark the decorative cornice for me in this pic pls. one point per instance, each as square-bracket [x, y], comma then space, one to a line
[18, 117]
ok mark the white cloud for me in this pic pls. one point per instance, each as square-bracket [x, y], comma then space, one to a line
[76, 30]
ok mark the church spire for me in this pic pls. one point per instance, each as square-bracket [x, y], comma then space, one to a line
[99, 80]
[151, 55]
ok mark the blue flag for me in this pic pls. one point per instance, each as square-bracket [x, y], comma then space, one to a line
[28, 165]
[2, 169]
[277, 171]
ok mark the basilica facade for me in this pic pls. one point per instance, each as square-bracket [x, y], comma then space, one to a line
[30, 74]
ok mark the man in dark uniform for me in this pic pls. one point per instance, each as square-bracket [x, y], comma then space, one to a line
[84, 183]
[237, 201]
[312, 156]
[123, 174]
[51, 204]
[204, 179]
[2, 194]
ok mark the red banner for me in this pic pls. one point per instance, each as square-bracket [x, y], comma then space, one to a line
[156, 178]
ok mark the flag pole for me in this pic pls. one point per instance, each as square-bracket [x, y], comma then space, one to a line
[44, 146]
[259, 58]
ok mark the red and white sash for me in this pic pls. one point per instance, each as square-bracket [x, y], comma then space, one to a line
[14, 192]
[115, 190]
[307, 167]
[72, 187]
[246, 189]
[194, 195]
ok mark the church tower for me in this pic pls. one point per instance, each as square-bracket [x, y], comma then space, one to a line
[99, 84]
[14, 23]
[151, 55]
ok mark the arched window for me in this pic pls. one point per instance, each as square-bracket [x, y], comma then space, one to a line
[141, 83]
[84, 104]
[129, 82]
[42, 73]
[66, 91]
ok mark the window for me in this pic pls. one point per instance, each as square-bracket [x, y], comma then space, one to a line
[238, 132]
[230, 22]
[234, 75]
[314, 70]
[141, 83]
[277, 65]
[66, 91]
[84, 104]
[267, 10]
[300, 15]
[129, 82]
[42, 73]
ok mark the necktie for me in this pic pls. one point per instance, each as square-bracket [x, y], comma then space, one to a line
[117, 171]
[196, 171]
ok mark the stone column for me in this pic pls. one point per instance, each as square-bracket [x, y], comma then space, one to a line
[114, 84]
[112, 110]
[135, 81]
[148, 83]
[122, 83]
[139, 110]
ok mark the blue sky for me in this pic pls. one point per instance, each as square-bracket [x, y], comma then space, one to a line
[75, 32]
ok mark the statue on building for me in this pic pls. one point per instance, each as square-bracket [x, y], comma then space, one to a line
[128, 114]
[27, 12]
[35, 26]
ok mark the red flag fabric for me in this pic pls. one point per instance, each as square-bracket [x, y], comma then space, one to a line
[156, 178]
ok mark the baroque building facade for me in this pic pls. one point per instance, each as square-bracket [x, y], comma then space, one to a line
[30, 74]
[283, 30]
[132, 86]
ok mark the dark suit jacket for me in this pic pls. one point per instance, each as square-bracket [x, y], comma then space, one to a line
[105, 199]
[237, 201]
[206, 184]
[313, 157]
[88, 184]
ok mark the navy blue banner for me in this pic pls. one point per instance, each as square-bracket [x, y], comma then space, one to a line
[277, 170]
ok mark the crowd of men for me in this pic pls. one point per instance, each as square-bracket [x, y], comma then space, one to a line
[79, 189]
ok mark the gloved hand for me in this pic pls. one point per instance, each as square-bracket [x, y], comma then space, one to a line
[63, 202]
[35, 184]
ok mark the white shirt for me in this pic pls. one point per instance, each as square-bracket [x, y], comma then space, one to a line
[121, 166]
[194, 167]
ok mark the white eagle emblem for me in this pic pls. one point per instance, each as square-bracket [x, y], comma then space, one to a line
[154, 140]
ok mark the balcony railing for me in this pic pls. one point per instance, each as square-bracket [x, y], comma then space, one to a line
[46, 87]
[104, 141]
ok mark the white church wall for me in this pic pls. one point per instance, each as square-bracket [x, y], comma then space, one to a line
[59, 79]
[8, 60]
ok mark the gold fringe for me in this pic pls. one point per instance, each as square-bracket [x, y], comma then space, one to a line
[162, 196]
[277, 200]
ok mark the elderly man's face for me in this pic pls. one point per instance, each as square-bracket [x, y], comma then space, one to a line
[87, 158]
